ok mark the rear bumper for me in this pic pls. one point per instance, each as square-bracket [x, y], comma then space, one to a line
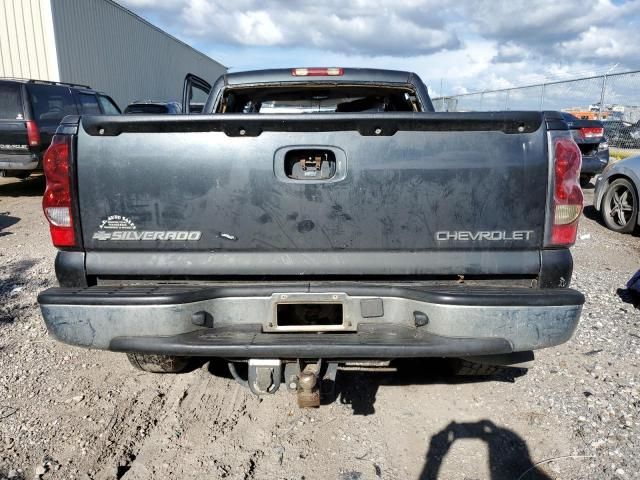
[18, 162]
[235, 322]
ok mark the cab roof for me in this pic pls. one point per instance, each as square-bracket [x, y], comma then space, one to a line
[368, 75]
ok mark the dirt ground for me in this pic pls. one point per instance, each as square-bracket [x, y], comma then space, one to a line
[67, 413]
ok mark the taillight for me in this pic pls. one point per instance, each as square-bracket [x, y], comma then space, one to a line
[56, 202]
[317, 72]
[33, 134]
[591, 132]
[567, 194]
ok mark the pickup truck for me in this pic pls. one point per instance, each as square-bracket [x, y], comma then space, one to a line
[312, 218]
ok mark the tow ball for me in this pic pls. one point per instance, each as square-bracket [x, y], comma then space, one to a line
[311, 382]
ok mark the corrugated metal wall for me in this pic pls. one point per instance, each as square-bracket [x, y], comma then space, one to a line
[107, 47]
[27, 45]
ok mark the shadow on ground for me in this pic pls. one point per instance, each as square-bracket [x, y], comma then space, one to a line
[7, 221]
[592, 214]
[508, 459]
[29, 187]
[359, 388]
[508, 454]
[588, 186]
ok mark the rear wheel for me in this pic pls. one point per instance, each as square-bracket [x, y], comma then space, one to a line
[158, 363]
[585, 181]
[620, 206]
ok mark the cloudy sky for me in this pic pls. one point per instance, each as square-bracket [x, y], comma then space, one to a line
[465, 45]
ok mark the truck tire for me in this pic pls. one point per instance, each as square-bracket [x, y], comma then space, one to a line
[620, 206]
[465, 368]
[158, 363]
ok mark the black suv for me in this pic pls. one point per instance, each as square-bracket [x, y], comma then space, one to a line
[30, 111]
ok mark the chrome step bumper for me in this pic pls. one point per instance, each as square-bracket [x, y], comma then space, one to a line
[379, 321]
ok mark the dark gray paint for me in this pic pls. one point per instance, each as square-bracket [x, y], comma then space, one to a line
[398, 190]
[144, 264]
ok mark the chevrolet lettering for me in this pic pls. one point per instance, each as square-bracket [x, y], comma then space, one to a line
[492, 236]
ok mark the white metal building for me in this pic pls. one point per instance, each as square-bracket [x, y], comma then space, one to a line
[97, 43]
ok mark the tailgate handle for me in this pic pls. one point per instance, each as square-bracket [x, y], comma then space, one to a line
[310, 164]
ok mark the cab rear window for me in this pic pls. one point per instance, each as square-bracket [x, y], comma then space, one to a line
[320, 99]
[10, 102]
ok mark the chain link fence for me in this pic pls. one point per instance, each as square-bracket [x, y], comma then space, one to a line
[614, 99]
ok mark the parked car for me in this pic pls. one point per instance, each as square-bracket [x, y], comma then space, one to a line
[590, 137]
[149, 107]
[616, 195]
[30, 112]
[622, 134]
[324, 216]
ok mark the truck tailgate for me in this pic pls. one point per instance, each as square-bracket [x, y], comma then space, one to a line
[221, 184]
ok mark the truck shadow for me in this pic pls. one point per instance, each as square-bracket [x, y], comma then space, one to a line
[508, 454]
[30, 187]
[359, 388]
[592, 214]
[508, 458]
[7, 221]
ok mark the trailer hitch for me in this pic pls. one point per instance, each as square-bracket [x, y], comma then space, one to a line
[264, 375]
[312, 382]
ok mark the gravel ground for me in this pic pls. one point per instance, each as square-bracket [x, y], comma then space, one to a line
[72, 413]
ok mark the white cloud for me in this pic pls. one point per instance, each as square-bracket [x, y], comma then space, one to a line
[260, 28]
[511, 52]
[566, 30]
[606, 43]
[366, 28]
[549, 20]
[469, 45]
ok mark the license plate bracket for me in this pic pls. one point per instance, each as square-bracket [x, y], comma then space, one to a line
[309, 312]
